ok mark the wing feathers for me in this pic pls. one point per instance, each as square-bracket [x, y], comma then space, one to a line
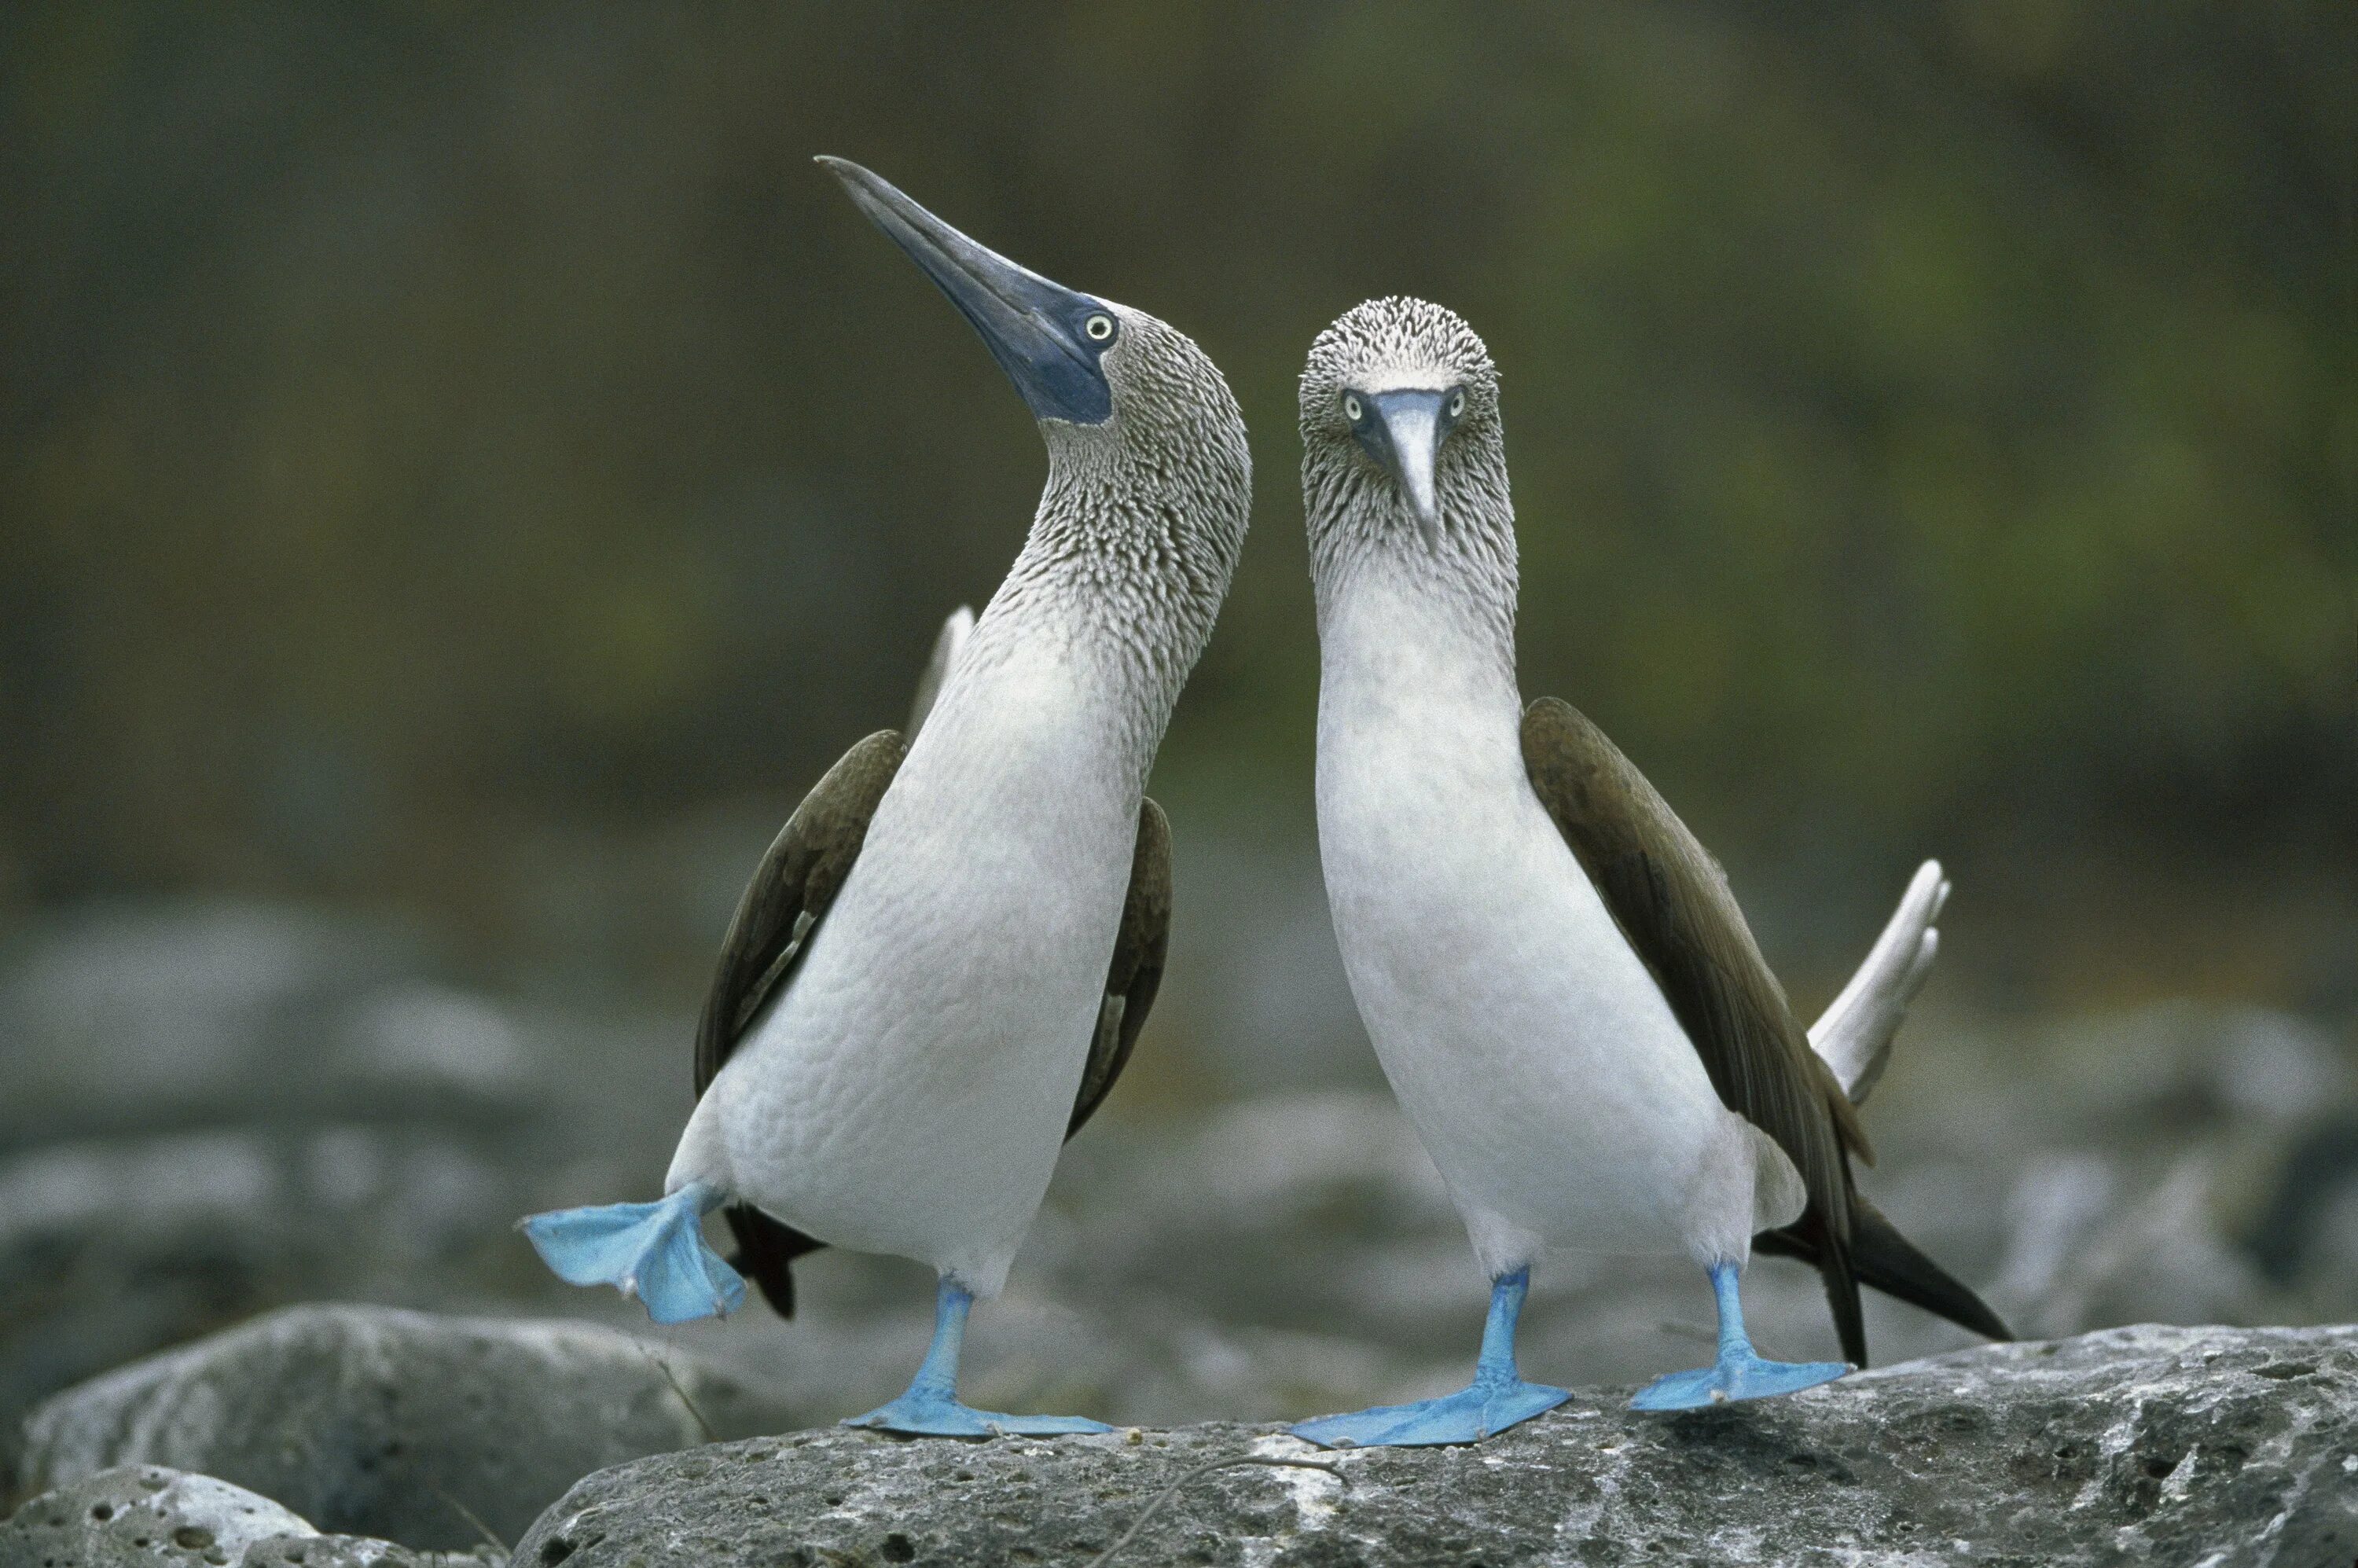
[1137, 973]
[1672, 903]
[790, 892]
[797, 879]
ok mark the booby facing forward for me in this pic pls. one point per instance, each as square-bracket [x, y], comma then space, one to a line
[1553, 972]
[943, 960]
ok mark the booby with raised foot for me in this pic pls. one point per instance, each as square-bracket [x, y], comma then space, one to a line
[1554, 974]
[943, 962]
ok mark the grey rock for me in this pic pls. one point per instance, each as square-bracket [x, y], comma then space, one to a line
[1256, 961]
[173, 1014]
[360, 1552]
[214, 1107]
[2225, 1447]
[113, 1249]
[143, 1516]
[392, 1424]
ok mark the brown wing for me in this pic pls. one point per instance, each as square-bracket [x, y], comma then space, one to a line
[783, 903]
[1137, 971]
[1672, 903]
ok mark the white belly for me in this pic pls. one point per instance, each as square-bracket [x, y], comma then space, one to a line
[909, 1092]
[1529, 1046]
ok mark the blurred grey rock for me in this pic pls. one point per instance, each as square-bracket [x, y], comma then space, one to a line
[2334, 1253]
[143, 1516]
[2090, 1249]
[2153, 1072]
[1253, 962]
[111, 1249]
[2271, 1065]
[212, 1107]
[391, 1423]
[1299, 1252]
[172, 1015]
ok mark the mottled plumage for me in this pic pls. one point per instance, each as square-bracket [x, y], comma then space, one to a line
[1001, 817]
[944, 960]
[1553, 971]
[789, 895]
[1674, 906]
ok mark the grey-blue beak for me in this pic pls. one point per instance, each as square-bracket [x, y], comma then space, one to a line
[1048, 339]
[1404, 434]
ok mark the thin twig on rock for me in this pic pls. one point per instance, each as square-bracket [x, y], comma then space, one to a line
[466, 1513]
[664, 1366]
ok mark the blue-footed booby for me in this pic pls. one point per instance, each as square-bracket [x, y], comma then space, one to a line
[943, 962]
[1553, 972]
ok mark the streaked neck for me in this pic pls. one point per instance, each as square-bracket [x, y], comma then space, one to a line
[1393, 609]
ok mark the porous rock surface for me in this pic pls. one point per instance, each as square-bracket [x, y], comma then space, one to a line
[144, 1516]
[2219, 1447]
[382, 1422]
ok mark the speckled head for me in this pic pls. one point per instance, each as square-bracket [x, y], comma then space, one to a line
[1401, 439]
[1149, 478]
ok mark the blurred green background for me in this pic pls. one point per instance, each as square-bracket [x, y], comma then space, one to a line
[463, 460]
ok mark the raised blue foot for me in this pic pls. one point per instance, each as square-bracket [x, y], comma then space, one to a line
[1739, 1373]
[931, 1409]
[654, 1251]
[1495, 1400]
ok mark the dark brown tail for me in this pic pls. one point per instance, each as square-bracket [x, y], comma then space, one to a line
[1881, 1257]
[766, 1251]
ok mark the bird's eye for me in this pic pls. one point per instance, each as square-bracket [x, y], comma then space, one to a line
[1352, 409]
[1457, 402]
[1099, 328]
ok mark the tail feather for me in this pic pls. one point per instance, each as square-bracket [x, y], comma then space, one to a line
[1893, 1264]
[1879, 1255]
[1838, 1273]
[766, 1251]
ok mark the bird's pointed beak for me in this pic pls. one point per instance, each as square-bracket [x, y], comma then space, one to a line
[1405, 436]
[1040, 331]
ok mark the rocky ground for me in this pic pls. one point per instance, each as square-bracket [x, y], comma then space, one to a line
[424, 1429]
[2171, 1445]
[218, 1109]
[2219, 1447]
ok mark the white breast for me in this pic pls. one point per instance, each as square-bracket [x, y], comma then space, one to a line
[910, 1091]
[1528, 1043]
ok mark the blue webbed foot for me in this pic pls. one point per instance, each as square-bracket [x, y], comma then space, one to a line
[932, 1413]
[654, 1251]
[1495, 1400]
[931, 1407]
[1739, 1373]
[1478, 1411]
[1737, 1376]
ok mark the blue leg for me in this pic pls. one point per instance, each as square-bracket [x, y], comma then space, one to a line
[1495, 1400]
[931, 1408]
[1739, 1374]
[654, 1251]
